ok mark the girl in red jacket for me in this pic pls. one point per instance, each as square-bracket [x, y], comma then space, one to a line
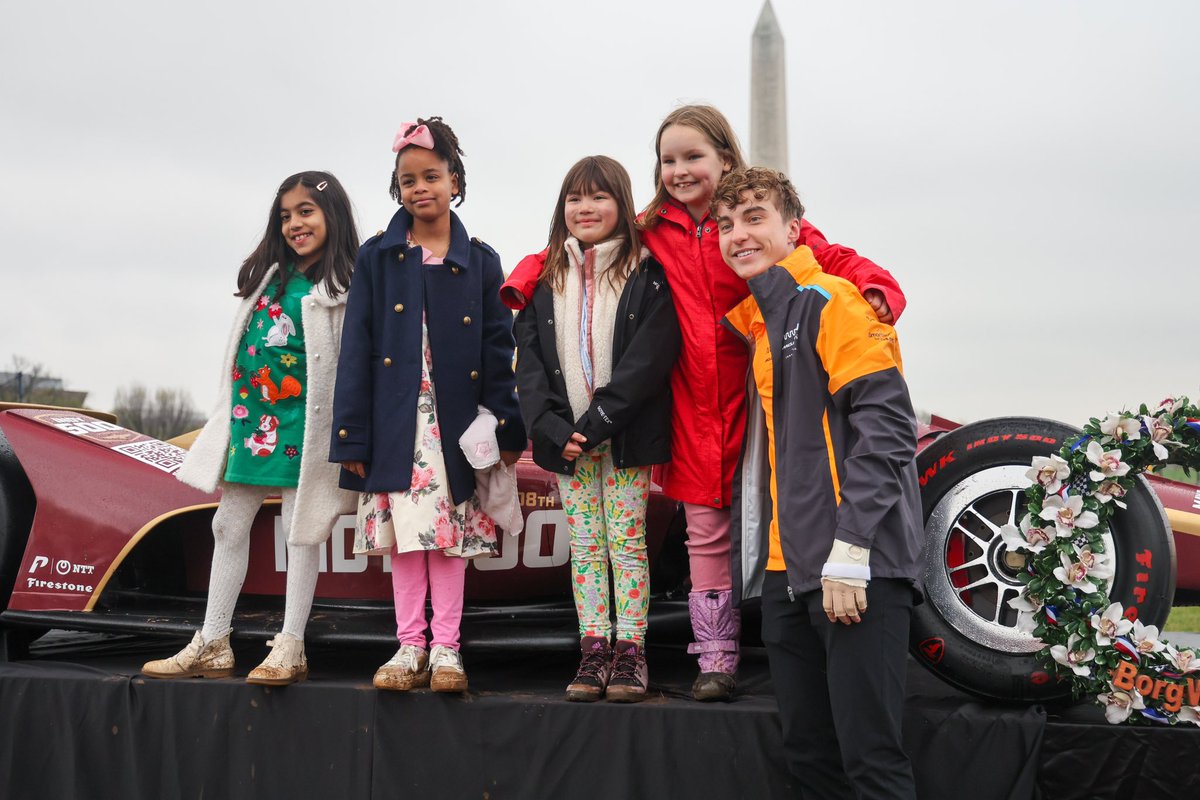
[696, 146]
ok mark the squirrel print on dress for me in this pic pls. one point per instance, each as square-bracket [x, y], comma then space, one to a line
[272, 393]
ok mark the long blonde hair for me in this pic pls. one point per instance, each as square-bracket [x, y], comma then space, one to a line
[712, 124]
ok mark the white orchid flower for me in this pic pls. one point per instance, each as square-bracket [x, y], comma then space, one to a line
[1145, 638]
[1026, 602]
[1183, 660]
[1049, 472]
[1121, 427]
[1119, 704]
[1076, 660]
[1110, 491]
[1099, 565]
[1032, 540]
[1026, 622]
[1109, 462]
[1074, 574]
[1169, 405]
[1190, 714]
[1110, 624]
[1160, 432]
[1068, 515]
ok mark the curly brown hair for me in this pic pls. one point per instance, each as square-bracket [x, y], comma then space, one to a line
[761, 183]
[445, 144]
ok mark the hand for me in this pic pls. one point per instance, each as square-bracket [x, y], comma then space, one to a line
[879, 304]
[357, 467]
[842, 602]
[510, 457]
[573, 449]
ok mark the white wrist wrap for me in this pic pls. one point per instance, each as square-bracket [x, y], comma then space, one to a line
[848, 561]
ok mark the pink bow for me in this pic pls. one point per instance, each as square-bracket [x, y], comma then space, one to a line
[420, 136]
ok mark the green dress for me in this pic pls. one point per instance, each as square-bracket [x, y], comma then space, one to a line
[267, 425]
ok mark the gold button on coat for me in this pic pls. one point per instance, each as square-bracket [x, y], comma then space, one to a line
[342, 434]
[474, 375]
[400, 257]
[466, 320]
[387, 362]
[399, 307]
[455, 270]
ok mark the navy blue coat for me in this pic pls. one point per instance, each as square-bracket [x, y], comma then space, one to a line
[379, 370]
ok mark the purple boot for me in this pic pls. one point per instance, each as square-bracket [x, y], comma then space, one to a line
[716, 625]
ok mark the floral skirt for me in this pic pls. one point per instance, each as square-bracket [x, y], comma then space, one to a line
[396, 519]
[423, 517]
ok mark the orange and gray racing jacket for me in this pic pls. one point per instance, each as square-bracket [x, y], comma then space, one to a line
[836, 428]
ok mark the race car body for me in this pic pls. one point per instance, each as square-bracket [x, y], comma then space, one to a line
[96, 533]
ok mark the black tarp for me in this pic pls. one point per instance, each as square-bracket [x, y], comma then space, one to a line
[80, 723]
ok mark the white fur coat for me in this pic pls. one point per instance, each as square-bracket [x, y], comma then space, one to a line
[319, 501]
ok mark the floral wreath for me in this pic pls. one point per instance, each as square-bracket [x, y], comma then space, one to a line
[1087, 638]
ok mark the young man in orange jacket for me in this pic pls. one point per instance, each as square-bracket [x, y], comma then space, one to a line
[844, 539]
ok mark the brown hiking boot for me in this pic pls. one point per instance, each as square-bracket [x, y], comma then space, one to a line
[630, 677]
[592, 678]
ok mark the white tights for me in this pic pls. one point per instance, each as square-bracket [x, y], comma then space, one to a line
[239, 505]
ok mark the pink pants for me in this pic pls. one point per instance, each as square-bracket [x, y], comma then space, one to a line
[416, 573]
[708, 547]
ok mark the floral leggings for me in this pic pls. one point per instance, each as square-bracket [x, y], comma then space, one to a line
[606, 515]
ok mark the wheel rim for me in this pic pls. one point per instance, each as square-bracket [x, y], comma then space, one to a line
[970, 575]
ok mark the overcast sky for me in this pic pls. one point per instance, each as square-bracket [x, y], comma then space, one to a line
[1028, 169]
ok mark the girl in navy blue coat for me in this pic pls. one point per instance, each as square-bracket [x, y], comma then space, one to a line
[427, 347]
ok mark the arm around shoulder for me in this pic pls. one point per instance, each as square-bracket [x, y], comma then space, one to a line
[844, 262]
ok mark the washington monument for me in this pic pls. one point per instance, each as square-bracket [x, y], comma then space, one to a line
[768, 94]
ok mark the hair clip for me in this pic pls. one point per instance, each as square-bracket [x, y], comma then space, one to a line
[321, 186]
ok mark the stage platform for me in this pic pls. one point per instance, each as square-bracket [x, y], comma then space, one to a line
[80, 722]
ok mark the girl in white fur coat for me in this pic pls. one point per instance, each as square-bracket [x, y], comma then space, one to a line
[269, 433]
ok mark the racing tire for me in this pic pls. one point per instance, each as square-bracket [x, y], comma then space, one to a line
[972, 482]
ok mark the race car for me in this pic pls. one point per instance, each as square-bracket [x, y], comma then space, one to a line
[97, 534]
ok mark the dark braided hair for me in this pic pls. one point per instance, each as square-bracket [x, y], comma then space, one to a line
[445, 144]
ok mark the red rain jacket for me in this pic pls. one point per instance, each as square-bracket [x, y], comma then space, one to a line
[708, 385]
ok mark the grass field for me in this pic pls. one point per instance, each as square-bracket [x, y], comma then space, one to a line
[1183, 618]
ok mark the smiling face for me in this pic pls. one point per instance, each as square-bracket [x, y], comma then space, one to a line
[691, 167]
[754, 234]
[303, 225]
[426, 183]
[591, 215]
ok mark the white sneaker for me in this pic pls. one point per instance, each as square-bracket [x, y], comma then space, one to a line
[408, 669]
[446, 665]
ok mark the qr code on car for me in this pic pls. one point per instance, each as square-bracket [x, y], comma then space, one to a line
[159, 455]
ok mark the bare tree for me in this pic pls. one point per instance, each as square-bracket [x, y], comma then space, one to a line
[164, 414]
[28, 382]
